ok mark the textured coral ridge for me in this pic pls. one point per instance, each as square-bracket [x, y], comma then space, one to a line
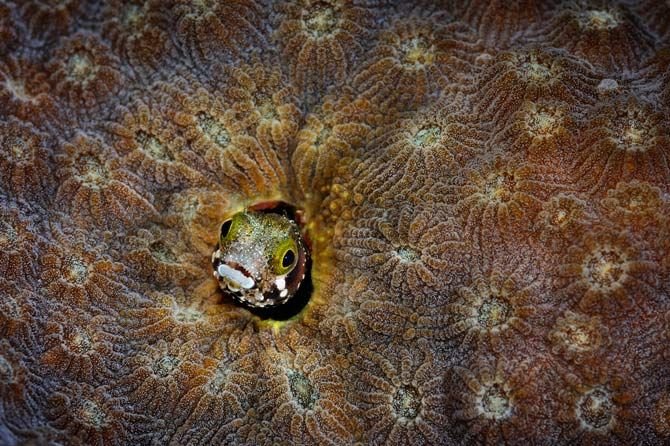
[485, 186]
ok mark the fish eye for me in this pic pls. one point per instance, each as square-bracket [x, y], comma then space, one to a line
[285, 257]
[288, 259]
[225, 228]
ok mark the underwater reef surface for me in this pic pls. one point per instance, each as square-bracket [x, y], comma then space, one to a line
[485, 187]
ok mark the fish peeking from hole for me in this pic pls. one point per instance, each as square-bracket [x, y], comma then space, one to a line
[261, 258]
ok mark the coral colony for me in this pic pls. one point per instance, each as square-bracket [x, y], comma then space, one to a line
[454, 222]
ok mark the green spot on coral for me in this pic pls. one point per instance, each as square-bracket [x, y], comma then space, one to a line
[302, 390]
[495, 403]
[152, 146]
[165, 365]
[427, 136]
[92, 414]
[595, 409]
[321, 22]
[213, 129]
[80, 68]
[493, 312]
[406, 402]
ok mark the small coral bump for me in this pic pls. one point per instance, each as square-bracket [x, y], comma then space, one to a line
[625, 140]
[230, 143]
[330, 135]
[80, 347]
[225, 388]
[407, 251]
[496, 310]
[159, 315]
[322, 41]
[609, 273]
[602, 403]
[500, 22]
[415, 58]
[402, 395]
[337, 321]
[18, 236]
[562, 218]
[267, 105]
[74, 273]
[608, 36]
[211, 31]
[418, 152]
[306, 399]
[539, 130]
[25, 91]
[577, 336]
[22, 391]
[19, 321]
[400, 324]
[25, 170]
[199, 213]
[94, 416]
[137, 33]
[637, 205]
[97, 189]
[83, 72]
[498, 200]
[159, 374]
[150, 145]
[492, 396]
[158, 254]
[514, 77]
[45, 20]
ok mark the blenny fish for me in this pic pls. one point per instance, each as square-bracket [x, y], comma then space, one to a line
[261, 258]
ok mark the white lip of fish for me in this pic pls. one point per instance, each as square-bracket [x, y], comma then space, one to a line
[234, 277]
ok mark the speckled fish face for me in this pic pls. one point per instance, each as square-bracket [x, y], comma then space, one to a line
[261, 259]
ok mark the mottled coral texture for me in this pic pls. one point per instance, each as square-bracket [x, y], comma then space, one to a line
[485, 186]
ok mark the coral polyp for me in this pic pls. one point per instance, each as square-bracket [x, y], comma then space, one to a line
[490, 398]
[83, 72]
[208, 30]
[513, 77]
[587, 28]
[477, 195]
[415, 58]
[100, 188]
[322, 40]
[608, 274]
[576, 335]
[25, 166]
[600, 405]
[629, 137]
[492, 309]
[91, 415]
[17, 239]
[305, 393]
[405, 403]
[137, 33]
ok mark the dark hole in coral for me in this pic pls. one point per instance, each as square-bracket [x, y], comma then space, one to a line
[294, 305]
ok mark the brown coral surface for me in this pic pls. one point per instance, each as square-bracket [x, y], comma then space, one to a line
[484, 185]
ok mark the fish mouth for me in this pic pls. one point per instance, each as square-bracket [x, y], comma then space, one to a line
[236, 277]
